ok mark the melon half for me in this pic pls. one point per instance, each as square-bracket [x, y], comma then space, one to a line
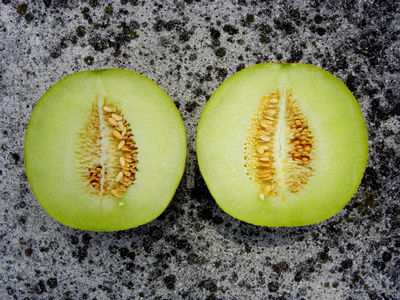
[105, 150]
[282, 145]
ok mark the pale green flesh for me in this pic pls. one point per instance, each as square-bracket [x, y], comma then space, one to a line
[340, 140]
[51, 141]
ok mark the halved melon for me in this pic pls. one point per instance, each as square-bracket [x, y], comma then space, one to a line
[282, 145]
[105, 150]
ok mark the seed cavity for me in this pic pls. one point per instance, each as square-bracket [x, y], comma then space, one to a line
[106, 152]
[279, 148]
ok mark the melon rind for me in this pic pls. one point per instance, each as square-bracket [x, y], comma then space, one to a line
[340, 141]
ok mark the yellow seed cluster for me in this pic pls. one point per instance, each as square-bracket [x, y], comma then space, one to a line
[126, 149]
[95, 177]
[300, 146]
[260, 159]
[264, 144]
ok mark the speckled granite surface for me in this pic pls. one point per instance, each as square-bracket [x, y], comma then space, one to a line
[194, 250]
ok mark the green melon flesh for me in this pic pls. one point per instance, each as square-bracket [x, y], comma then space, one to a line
[340, 145]
[52, 142]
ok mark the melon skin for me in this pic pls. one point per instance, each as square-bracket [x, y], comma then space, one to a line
[340, 145]
[51, 141]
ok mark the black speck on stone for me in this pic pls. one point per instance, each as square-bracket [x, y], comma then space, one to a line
[52, 283]
[250, 18]
[193, 258]
[215, 34]
[98, 43]
[155, 233]
[44, 249]
[74, 240]
[29, 17]
[108, 10]
[285, 26]
[125, 253]
[130, 266]
[205, 214]
[295, 55]
[351, 83]
[323, 256]
[209, 285]
[55, 53]
[159, 26]
[113, 249]
[265, 29]
[93, 3]
[147, 245]
[318, 19]
[47, 3]
[184, 245]
[341, 63]
[222, 73]
[346, 264]
[15, 156]
[105, 288]
[320, 31]
[220, 52]
[280, 267]
[240, 67]
[173, 24]
[370, 179]
[80, 31]
[28, 252]
[184, 36]
[10, 290]
[230, 29]
[170, 281]
[21, 204]
[190, 106]
[379, 265]
[273, 287]
[81, 254]
[294, 14]
[386, 256]
[86, 238]
[40, 288]
[22, 9]
[88, 60]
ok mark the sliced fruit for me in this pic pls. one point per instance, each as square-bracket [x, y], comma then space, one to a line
[105, 150]
[282, 145]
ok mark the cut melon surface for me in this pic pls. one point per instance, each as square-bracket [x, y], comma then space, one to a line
[105, 150]
[282, 145]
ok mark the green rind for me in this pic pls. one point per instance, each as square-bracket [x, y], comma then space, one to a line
[50, 161]
[337, 124]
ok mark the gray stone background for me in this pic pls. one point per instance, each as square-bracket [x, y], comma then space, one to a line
[194, 250]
